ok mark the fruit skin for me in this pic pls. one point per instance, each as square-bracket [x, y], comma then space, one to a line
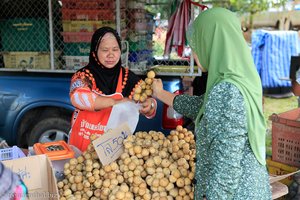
[138, 90]
[151, 74]
[136, 97]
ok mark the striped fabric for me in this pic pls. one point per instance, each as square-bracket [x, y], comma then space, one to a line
[272, 51]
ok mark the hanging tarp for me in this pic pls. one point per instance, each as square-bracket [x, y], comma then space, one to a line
[272, 51]
[178, 23]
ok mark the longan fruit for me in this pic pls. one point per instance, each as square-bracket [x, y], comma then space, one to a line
[151, 74]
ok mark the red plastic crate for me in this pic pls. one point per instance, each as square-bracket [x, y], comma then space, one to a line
[286, 137]
[76, 14]
[75, 37]
[92, 4]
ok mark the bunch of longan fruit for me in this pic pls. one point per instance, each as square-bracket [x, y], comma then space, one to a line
[144, 89]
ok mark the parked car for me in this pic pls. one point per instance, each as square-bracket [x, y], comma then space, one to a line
[35, 107]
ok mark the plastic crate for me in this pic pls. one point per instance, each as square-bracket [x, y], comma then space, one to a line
[81, 26]
[24, 34]
[71, 37]
[286, 137]
[77, 49]
[138, 25]
[140, 66]
[277, 168]
[88, 26]
[135, 5]
[11, 153]
[137, 46]
[28, 60]
[137, 13]
[135, 37]
[76, 62]
[108, 14]
[91, 4]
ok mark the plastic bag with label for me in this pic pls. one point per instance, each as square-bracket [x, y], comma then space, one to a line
[127, 112]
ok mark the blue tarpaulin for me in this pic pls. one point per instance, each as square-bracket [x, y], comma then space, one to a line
[272, 51]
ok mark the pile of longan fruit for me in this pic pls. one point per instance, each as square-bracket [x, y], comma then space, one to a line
[144, 89]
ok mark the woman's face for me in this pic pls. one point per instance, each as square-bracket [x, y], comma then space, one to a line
[198, 62]
[109, 52]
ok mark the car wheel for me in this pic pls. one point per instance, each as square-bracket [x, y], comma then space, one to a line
[49, 130]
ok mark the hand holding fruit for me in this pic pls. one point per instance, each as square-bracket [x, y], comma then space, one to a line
[157, 87]
[144, 89]
[147, 106]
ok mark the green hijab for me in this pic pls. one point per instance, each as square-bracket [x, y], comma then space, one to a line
[216, 38]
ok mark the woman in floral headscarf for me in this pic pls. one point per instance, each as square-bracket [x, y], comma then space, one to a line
[230, 126]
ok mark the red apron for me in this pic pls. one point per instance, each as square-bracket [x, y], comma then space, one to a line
[87, 123]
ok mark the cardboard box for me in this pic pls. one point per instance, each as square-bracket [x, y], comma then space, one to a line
[37, 174]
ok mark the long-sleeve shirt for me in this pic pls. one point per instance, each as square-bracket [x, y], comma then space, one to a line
[226, 167]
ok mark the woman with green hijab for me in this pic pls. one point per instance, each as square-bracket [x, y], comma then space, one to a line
[229, 123]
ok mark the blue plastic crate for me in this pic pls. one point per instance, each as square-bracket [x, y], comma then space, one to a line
[11, 153]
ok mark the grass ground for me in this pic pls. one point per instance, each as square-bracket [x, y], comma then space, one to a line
[275, 105]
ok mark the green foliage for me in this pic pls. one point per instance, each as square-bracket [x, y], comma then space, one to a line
[245, 6]
[248, 6]
[158, 49]
[160, 6]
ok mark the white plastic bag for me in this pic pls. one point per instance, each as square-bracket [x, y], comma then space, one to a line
[127, 112]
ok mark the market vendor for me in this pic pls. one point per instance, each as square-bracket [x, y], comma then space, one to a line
[100, 85]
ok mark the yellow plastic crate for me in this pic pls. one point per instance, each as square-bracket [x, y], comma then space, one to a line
[27, 60]
[81, 26]
[277, 168]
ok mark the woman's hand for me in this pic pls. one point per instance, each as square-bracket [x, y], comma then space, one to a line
[148, 107]
[161, 94]
[157, 87]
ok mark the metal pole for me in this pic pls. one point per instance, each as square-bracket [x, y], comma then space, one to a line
[192, 63]
[192, 57]
[118, 17]
[51, 35]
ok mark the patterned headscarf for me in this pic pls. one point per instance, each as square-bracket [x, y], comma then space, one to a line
[216, 37]
[8, 182]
